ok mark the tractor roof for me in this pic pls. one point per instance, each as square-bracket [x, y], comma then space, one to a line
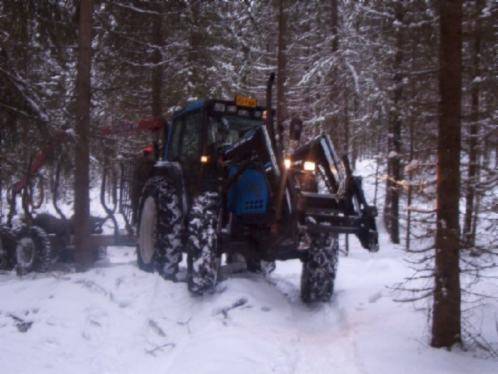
[191, 106]
[195, 105]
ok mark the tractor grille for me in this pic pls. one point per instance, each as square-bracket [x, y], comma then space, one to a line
[250, 194]
[254, 205]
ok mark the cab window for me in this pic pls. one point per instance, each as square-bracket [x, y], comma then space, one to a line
[191, 138]
[174, 146]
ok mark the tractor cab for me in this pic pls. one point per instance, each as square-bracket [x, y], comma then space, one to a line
[203, 126]
[204, 130]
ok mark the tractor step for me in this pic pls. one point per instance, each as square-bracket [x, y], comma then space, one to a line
[314, 200]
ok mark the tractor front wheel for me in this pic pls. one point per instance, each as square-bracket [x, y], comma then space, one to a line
[319, 268]
[203, 256]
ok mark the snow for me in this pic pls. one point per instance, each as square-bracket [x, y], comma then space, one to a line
[115, 318]
[413, 165]
[118, 319]
[354, 74]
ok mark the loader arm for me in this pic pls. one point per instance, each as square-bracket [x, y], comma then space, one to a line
[344, 208]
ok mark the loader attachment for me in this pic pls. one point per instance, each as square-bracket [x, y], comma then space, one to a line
[335, 202]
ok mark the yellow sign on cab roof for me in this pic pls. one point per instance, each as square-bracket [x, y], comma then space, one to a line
[245, 101]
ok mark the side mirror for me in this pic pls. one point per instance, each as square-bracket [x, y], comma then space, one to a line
[296, 128]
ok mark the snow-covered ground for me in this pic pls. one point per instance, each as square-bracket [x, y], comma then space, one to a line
[118, 319]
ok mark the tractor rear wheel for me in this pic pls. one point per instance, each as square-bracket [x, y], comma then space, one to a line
[159, 228]
[319, 269]
[33, 250]
[203, 256]
[7, 249]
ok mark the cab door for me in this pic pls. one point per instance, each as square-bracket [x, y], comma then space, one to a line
[186, 145]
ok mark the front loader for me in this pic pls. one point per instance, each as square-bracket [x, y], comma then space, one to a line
[224, 186]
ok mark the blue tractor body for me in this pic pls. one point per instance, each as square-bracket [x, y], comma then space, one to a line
[250, 194]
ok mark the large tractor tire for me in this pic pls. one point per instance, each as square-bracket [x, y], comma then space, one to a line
[33, 250]
[203, 256]
[7, 249]
[159, 228]
[319, 268]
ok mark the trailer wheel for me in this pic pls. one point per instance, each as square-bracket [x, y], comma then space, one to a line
[319, 269]
[33, 250]
[159, 228]
[7, 249]
[203, 257]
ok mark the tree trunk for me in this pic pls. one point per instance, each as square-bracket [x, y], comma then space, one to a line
[477, 205]
[157, 72]
[345, 146]
[281, 72]
[195, 53]
[334, 27]
[377, 162]
[391, 209]
[83, 254]
[346, 149]
[468, 235]
[411, 154]
[446, 328]
[353, 140]
[410, 189]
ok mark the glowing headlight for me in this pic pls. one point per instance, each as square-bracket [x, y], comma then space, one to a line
[309, 166]
[287, 163]
[204, 159]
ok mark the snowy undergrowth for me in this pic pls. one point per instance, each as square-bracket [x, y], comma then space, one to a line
[478, 282]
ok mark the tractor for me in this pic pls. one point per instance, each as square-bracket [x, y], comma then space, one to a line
[224, 185]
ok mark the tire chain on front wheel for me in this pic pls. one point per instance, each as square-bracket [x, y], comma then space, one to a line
[202, 242]
[168, 252]
[320, 268]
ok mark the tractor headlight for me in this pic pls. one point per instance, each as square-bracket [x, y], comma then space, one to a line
[309, 166]
[287, 163]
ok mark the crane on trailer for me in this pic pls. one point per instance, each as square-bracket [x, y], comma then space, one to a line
[45, 238]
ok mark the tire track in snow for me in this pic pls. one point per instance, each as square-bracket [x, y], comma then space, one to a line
[324, 340]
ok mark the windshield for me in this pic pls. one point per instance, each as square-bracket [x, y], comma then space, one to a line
[226, 130]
